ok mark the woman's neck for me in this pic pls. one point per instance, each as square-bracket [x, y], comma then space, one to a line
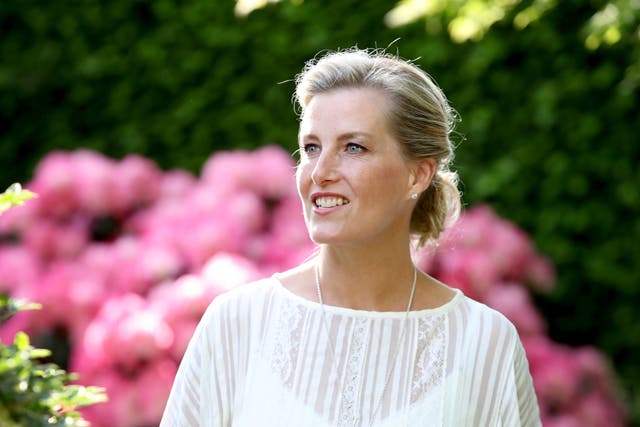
[371, 278]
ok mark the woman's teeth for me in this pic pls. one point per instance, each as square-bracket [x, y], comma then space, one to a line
[329, 202]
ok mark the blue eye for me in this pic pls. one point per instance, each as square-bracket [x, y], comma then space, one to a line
[311, 148]
[355, 148]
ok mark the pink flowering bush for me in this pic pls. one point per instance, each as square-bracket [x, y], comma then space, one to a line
[125, 258]
[494, 262]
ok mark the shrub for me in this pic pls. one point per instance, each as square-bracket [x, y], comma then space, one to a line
[34, 393]
[125, 267]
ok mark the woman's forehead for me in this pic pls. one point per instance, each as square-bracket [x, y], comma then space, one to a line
[347, 110]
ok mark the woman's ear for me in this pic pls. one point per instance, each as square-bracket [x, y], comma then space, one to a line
[422, 172]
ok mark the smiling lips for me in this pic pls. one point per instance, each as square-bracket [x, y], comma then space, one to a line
[329, 201]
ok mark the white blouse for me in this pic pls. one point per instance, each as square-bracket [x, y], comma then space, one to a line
[262, 356]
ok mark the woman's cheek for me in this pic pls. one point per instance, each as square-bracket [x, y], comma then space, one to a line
[302, 175]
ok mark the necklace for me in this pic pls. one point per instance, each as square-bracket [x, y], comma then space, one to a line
[395, 354]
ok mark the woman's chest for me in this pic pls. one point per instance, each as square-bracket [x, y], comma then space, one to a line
[346, 372]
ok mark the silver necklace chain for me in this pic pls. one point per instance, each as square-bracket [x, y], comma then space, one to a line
[401, 339]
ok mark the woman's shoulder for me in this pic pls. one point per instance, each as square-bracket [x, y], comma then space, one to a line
[243, 299]
[479, 318]
[241, 302]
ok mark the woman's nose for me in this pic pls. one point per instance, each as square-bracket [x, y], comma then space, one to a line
[325, 169]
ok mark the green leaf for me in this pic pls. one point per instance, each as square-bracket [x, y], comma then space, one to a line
[10, 306]
[40, 353]
[15, 195]
[21, 341]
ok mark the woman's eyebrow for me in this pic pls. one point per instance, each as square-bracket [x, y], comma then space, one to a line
[350, 135]
[341, 137]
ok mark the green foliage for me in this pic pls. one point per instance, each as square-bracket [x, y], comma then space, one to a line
[615, 21]
[551, 142]
[170, 80]
[14, 196]
[10, 307]
[34, 393]
[548, 92]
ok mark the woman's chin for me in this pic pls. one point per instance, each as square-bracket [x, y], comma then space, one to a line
[327, 238]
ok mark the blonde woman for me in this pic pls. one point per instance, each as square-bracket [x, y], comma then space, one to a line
[357, 335]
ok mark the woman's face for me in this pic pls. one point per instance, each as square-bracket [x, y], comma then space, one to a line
[353, 181]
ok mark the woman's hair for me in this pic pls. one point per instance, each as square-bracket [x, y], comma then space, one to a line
[419, 117]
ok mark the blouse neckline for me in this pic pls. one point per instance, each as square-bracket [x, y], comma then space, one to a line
[350, 312]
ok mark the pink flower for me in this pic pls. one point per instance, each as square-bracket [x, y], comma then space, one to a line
[539, 350]
[596, 410]
[133, 401]
[556, 377]
[425, 259]
[181, 304]
[94, 182]
[187, 297]
[176, 183]
[160, 223]
[22, 321]
[86, 359]
[120, 409]
[231, 169]
[286, 235]
[54, 183]
[127, 332]
[597, 370]
[205, 198]
[276, 173]
[541, 274]
[248, 210]
[141, 335]
[51, 239]
[183, 329]
[158, 262]
[225, 271]
[268, 171]
[137, 182]
[469, 232]
[288, 220]
[124, 276]
[70, 295]
[137, 265]
[99, 257]
[473, 272]
[481, 229]
[204, 237]
[19, 269]
[242, 208]
[153, 385]
[511, 249]
[514, 301]
[562, 420]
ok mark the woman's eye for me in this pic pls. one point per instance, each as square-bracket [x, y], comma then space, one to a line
[354, 148]
[310, 148]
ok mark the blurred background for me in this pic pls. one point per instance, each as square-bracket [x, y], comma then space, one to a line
[548, 94]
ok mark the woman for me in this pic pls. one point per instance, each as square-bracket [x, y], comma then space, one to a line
[357, 336]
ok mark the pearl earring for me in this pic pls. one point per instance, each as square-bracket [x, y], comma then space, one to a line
[414, 196]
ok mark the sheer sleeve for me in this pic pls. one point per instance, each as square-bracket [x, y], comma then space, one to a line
[204, 385]
[527, 400]
[526, 412]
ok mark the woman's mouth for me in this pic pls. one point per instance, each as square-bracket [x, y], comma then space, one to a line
[329, 201]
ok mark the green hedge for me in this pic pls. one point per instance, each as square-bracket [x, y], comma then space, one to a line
[548, 134]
